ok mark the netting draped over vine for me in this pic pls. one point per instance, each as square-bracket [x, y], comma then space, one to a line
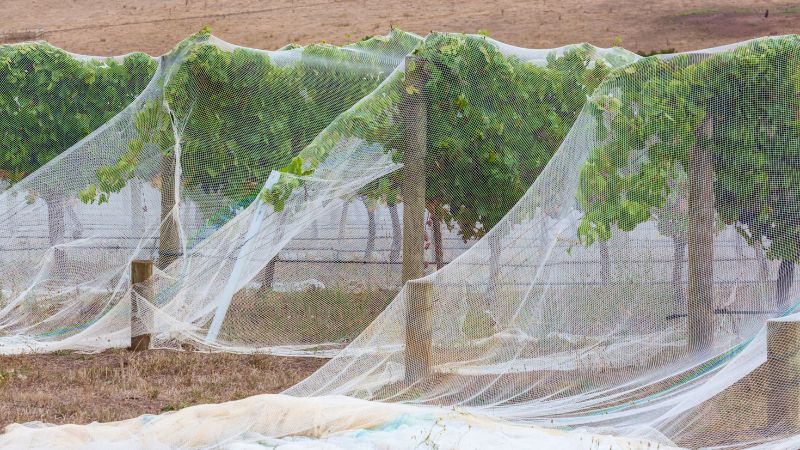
[629, 289]
[611, 233]
[304, 264]
[163, 179]
[51, 99]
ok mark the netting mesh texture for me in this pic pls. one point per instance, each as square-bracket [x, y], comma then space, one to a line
[629, 289]
[163, 179]
[174, 177]
[575, 237]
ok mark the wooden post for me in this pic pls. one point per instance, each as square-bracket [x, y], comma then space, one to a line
[438, 249]
[142, 284]
[414, 115]
[267, 277]
[397, 233]
[419, 330]
[169, 245]
[783, 373]
[55, 230]
[700, 313]
[419, 321]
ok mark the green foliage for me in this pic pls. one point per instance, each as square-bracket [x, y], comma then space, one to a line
[493, 123]
[291, 176]
[241, 115]
[51, 99]
[663, 51]
[747, 99]
[154, 127]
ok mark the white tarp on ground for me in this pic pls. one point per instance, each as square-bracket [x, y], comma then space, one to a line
[334, 422]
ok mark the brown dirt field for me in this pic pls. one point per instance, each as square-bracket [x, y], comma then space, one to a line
[118, 384]
[114, 27]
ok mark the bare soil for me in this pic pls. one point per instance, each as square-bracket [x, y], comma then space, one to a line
[68, 387]
[105, 27]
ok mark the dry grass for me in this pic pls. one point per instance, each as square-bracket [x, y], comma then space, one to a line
[310, 317]
[67, 387]
[117, 384]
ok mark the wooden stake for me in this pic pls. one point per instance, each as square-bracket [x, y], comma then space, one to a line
[419, 321]
[700, 313]
[414, 115]
[783, 373]
[142, 284]
[419, 330]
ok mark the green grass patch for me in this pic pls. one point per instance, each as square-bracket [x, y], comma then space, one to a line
[698, 12]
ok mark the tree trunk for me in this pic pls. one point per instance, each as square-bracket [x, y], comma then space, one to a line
[137, 224]
[700, 313]
[605, 262]
[784, 284]
[761, 259]
[267, 274]
[55, 230]
[419, 331]
[494, 261]
[438, 251]
[267, 277]
[370, 233]
[414, 116]
[397, 234]
[343, 220]
[679, 245]
[169, 245]
[73, 216]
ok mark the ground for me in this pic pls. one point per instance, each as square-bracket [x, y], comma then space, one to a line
[103, 27]
[118, 384]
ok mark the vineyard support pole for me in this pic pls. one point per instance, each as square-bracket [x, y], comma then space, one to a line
[419, 330]
[414, 114]
[700, 307]
[783, 373]
[169, 244]
[142, 292]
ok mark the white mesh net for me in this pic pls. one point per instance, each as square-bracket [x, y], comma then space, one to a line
[304, 265]
[149, 185]
[621, 284]
[51, 99]
[624, 292]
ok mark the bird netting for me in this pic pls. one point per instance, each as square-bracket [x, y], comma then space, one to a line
[491, 117]
[621, 284]
[305, 264]
[51, 99]
[629, 289]
[168, 172]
